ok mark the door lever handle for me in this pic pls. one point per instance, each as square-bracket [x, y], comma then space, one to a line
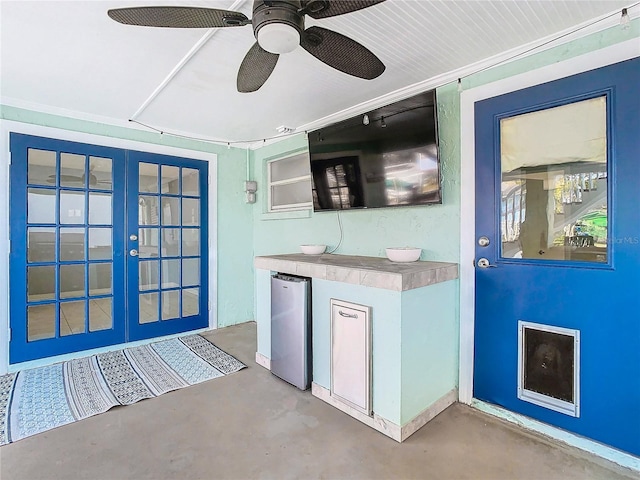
[483, 263]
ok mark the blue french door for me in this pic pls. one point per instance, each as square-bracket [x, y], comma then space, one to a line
[76, 279]
[557, 331]
[167, 239]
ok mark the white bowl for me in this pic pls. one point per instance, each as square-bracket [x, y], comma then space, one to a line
[313, 249]
[403, 254]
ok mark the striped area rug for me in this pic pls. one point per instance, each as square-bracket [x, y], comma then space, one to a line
[39, 399]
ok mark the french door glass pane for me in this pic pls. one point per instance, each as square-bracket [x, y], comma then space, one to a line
[190, 182]
[170, 273]
[554, 183]
[100, 244]
[148, 242]
[71, 281]
[72, 207]
[72, 170]
[148, 210]
[100, 317]
[101, 175]
[148, 307]
[41, 168]
[41, 244]
[41, 322]
[148, 275]
[170, 242]
[190, 241]
[41, 283]
[71, 244]
[170, 181]
[190, 212]
[100, 279]
[190, 301]
[41, 205]
[72, 317]
[171, 305]
[100, 208]
[170, 211]
[190, 272]
[148, 177]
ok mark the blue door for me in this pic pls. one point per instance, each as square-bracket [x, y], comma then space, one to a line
[167, 240]
[75, 282]
[557, 330]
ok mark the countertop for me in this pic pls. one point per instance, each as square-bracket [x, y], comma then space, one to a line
[374, 272]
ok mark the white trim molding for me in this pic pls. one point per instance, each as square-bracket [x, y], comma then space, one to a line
[8, 126]
[604, 451]
[592, 60]
[263, 361]
[382, 425]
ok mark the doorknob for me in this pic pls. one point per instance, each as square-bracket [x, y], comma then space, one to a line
[484, 263]
[484, 241]
[133, 252]
[133, 237]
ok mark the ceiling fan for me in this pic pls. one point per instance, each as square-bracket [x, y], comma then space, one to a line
[278, 26]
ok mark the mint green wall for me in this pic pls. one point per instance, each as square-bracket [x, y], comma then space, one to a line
[582, 46]
[235, 232]
[434, 228]
[263, 312]
[429, 346]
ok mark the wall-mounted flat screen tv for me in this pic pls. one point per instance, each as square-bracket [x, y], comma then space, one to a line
[387, 157]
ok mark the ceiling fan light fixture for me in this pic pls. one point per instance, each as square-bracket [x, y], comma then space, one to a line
[278, 38]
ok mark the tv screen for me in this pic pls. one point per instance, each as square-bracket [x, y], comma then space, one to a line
[386, 158]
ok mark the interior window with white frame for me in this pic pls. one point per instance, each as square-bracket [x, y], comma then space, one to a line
[289, 182]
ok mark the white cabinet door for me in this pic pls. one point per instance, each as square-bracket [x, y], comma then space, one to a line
[351, 354]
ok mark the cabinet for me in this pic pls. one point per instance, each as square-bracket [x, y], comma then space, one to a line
[351, 354]
[392, 364]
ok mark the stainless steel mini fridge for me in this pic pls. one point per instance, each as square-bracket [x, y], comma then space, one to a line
[291, 330]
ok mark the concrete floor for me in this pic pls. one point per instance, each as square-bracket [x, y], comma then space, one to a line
[251, 425]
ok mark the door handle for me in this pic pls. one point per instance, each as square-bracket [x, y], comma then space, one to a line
[484, 241]
[348, 315]
[484, 263]
[133, 252]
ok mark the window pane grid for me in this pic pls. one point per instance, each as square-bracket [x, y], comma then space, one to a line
[59, 240]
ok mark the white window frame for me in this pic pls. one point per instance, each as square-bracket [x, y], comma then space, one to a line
[304, 156]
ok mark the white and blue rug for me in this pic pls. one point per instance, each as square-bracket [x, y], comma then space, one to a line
[33, 401]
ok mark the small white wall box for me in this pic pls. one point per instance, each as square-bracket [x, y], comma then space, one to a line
[251, 187]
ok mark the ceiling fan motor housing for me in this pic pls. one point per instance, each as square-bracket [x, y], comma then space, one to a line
[279, 18]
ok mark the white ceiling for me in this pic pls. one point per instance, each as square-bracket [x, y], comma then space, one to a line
[70, 57]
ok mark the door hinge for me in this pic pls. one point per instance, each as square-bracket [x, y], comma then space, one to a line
[9, 334]
[209, 306]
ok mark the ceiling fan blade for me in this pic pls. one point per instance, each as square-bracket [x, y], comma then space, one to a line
[256, 68]
[178, 17]
[341, 53]
[70, 178]
[331, 8]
